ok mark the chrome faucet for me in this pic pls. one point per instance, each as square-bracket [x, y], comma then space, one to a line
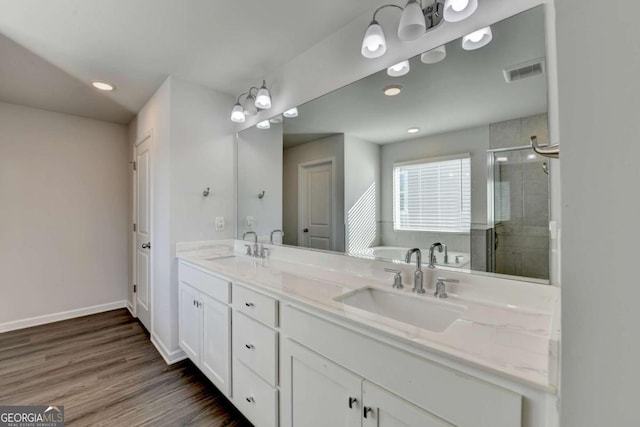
[418, 287]
[255, 242]
[432, 257]
[274, 232]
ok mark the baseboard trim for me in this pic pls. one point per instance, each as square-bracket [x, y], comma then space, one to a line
[170, 357]
[63, 315]
[131, 309]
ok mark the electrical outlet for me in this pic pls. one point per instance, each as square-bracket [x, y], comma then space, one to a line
[250, 222]
[219, 223]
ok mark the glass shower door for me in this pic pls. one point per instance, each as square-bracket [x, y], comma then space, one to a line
[519, 243]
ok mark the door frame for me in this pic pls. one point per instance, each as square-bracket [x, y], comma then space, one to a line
[334, 216]
[134, 209]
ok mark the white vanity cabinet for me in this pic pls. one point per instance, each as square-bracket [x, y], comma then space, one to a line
[204, 325]
[255, 355]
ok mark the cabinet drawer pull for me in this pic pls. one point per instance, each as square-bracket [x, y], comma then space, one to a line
[352, 400]
[250, 399]
[249, 346]
[367, 410]
[249, 304]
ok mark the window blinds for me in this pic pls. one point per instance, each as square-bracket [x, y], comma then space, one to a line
[433, 195]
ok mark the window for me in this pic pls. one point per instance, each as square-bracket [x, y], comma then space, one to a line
[433, 195]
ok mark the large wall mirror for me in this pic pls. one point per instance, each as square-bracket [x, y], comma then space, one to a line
[435, 150]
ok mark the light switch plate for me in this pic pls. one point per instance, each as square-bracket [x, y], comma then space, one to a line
[219, 223]
[249, 221]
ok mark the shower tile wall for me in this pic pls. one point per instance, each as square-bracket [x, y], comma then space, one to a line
[523, 246]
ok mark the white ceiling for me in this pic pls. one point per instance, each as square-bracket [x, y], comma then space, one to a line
[135, 44]
[466, 89]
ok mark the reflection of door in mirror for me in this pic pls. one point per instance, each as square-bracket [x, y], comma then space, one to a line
[316, 205]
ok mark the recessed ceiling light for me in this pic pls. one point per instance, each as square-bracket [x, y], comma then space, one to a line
[392, 90]
[502, 159]
[291, 113]
[103, 86]
[413, 130]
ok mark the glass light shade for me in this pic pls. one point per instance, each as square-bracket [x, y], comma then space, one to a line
[400, 69]
[477, 39]
[264, 125]
[276, 120]
[434, 55]
[263, 98]
[291, 113]
[374, 43]
[237, 114]
[457, 10]
[412, 22]
[250, 108]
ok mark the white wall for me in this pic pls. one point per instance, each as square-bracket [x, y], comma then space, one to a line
[193, 149]
[63, 213]
[260, 168]
[361, 193]
[599, 126]
[332, 146]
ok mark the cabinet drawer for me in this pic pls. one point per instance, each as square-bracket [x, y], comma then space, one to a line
[209, 284]
[259, 306]
[256, 345]
[255, 398]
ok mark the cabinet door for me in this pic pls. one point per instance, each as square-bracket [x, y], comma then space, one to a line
[190, 322]
[216, 342]
[384, 409]
[322, 393]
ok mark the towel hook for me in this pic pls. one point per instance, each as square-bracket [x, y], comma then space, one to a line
[261, 195]
[205, 193]
[551, 151]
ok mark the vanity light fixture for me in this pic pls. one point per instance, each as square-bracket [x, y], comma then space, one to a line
[477, 39]
[107, 87]
[291, 113]
[457, 10]
[392, 90]
[415, 22]
[434, 56]
[264, 124]
[252, 105]
[400, 69]
[413, 130]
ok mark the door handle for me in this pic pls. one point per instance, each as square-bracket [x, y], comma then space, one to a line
[146, 245]
[306, 230]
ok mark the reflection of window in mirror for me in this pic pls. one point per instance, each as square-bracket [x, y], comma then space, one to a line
[433, 195]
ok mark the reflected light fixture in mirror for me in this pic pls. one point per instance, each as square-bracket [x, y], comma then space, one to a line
[415, 22]
[399, 69]
[107, 87]
[413, 130]
[291, 113]
[264, 124]
[276, 120]
[392, 90]
[502, 159]
[477, 39]
[434, 56]
[457, 10]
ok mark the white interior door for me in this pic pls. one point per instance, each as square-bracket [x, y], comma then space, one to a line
[143, 232]
[316, 206]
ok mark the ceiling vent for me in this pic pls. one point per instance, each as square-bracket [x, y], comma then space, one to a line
[524, 70]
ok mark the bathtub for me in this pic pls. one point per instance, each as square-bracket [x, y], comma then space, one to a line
[397, 254]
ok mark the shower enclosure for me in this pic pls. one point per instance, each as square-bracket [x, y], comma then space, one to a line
[518, 204]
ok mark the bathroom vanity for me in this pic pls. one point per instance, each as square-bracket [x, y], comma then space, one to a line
[309, 338]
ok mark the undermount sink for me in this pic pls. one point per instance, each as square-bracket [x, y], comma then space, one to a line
[217, 257]
[416, 310]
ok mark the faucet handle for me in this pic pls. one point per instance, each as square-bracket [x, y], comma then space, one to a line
[441, 290]
[397, 278]
[249, 251]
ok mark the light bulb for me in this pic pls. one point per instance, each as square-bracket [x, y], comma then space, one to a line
[237, 114]
[412, 22]
[458, 10]
[399, 69]
[374, 44]
[263, 98]
[250, 108]
[291, 113]
[264, 124]
[477, 39]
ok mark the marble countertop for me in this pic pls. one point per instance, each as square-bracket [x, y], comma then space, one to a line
[513, 335]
